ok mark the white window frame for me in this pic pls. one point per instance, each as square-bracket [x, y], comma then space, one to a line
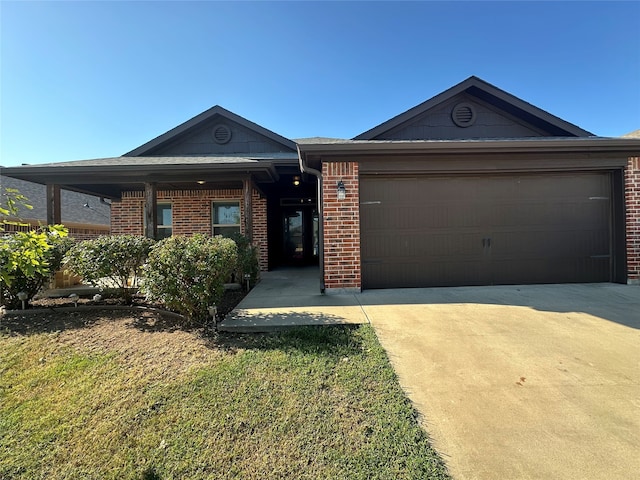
[225, 225]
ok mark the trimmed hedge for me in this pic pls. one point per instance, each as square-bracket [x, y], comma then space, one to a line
[187, 274]
[114, 259]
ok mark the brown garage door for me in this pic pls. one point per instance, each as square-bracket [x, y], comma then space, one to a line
[484, 230]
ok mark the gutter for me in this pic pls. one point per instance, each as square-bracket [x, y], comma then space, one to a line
[318, 174]
[590, 145]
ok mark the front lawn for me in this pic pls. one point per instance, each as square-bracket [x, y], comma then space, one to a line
[128, 396]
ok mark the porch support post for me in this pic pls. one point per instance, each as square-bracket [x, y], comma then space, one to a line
[247, 185]
[54, 215]
[150, 210]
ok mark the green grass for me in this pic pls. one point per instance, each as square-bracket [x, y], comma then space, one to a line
[317, 402]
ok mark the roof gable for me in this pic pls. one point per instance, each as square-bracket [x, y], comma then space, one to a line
[470, 110]
[216, 131]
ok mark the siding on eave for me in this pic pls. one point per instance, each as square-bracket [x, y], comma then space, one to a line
[437, 124]
[200, 141]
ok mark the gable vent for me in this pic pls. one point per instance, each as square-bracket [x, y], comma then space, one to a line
[221, 134]
[463, 115]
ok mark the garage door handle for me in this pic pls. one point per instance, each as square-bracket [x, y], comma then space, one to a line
[486, 243]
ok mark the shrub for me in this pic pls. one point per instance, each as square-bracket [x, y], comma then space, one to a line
[247, 260]
[28, 260]
[187, 274]
[114, 260]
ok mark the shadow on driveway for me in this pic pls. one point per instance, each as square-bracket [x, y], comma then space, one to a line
[609, 301]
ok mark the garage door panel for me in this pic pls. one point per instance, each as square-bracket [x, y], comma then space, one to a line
[536, 270]
[410, 274]
[474, 230]
[412, 245]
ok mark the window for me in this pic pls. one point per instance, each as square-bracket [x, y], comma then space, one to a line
[165, 221]
[226, 218]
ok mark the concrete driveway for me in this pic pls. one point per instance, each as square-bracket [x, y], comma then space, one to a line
[527, 382]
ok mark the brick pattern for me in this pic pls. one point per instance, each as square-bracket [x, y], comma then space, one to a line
[259, 219]
[341, 228]
[191, 211]
[632, 202]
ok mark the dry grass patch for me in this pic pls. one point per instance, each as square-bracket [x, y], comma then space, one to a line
[121, 395]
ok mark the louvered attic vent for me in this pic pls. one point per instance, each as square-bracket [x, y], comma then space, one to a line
[463, 115]
[221, 134]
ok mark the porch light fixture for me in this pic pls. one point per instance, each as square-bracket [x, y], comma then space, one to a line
[296, 180]
[200, 182]
[342, 190]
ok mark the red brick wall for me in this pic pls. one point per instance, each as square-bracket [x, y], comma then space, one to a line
[259, 219]
[632, 202]
[127, 214]
[341, 224]
[191, 211]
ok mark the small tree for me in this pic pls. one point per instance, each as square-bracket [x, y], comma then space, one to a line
[10, 204]
[187, 274]
[27, 259]
[112, 259]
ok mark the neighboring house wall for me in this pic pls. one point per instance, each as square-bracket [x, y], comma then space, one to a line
[632, 201]
[73, 210]
[83, 222]
[341, 228]
[191, 213]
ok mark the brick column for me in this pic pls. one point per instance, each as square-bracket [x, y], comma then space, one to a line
[632, 203]
[259, 240]
[341, 223]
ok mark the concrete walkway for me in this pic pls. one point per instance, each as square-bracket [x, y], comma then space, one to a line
[288, 297]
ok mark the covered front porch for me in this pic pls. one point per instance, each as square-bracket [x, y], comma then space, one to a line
[265, 198]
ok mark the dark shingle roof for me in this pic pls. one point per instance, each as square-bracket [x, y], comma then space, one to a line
[168, 160]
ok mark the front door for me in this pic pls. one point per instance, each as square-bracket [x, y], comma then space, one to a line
[300, 236]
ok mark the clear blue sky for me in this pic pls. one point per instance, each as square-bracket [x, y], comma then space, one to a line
[91, 79]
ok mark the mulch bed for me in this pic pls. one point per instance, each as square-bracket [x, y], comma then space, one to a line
[50, 317]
